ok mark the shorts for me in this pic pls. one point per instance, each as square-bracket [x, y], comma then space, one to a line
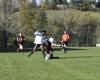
[19, 45]
[48, 46]
[65, 42]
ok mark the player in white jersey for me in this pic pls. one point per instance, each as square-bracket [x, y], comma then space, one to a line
[38, 42]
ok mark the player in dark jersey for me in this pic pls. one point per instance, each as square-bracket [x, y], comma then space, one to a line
[47, 47]
[20, 41]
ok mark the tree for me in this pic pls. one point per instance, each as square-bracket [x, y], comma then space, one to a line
[6, 11]
[84, 26]
[45, 4]
[27, 18]
[41, 20]
[53, 4]
[84, 5]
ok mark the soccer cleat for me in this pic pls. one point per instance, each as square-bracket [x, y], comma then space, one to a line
[47, 57]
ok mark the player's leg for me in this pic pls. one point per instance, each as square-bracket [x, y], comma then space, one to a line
[62, 45]
[42, 46]
[50, 50]
[65, 46]
[51, 47]
[34, 49]
[21, 48]
[17, 47]
[51, 53]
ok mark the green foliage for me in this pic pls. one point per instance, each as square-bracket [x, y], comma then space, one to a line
[41, 20]
[27, 16]
[82, 24]
[84, 5]
[5, 13]
[33, 3]
[53, 5]
[31, 19]
[45, 4]
[6, 21]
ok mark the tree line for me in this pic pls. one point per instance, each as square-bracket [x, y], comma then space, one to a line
[83, 26]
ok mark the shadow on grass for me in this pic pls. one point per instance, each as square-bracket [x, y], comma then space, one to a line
[56, 57]
[69, 49]
[9, 50]
[77, 57]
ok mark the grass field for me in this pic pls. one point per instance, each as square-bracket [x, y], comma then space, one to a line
[76, 64]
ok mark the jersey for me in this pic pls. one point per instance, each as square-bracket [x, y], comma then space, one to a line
[45, 40]
[20, 39]
[65, 37]
[38, 38]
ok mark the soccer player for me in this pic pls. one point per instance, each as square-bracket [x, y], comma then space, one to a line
[20, 41]
[38, 42]
[64, 41]
[47, 47]
[42, 41]
[51, 39]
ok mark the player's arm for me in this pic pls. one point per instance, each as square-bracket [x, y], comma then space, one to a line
[62, 39]
[68, 37]
[17, 39]
[23, 38]
[37, 33]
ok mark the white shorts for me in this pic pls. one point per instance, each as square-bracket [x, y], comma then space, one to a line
[20, 46]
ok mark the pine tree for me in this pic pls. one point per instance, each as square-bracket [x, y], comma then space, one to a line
[53, 4]
[42, 22]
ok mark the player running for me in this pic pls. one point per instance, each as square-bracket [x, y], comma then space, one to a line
[42, 41]
[38, 42]
[64, 41]
[19, 42]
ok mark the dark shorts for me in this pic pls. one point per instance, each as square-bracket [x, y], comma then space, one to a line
[65, 42]
[37, 45]
[48, 46]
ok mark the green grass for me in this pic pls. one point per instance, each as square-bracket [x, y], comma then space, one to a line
[76, 64]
